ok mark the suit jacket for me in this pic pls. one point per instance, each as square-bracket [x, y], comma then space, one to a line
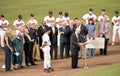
[27, 43]
[41, 31]
[53, 36]
[83, 28]
[107, 29]
[65, 38]
[74, 43]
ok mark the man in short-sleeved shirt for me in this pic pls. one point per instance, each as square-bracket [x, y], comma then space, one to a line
[49, 19]
[103, 14]
[18, 22]
[89, 15]
[116, 26]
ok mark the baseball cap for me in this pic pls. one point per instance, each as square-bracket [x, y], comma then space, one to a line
[2, 15]
[116, 12]
[32, 15]
[20, 16]
[90, 9]
[103, 10]
[48, 29]
[60, 13]
[50, 12]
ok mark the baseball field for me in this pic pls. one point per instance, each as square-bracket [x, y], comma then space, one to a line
[98, 65]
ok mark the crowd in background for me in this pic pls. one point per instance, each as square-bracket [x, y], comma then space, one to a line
[53, 36]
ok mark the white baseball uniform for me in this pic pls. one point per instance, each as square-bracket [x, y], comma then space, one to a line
[100, 18]
[33, 22]
[87, 16]
[18, 23]
[2, 31]
[116, 28]
[46, 50]
[49, 20]
[67, 19]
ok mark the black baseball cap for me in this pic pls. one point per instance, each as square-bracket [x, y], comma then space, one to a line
[20, 16]
[2, 15]
[50, 12]
[90, 9]
[32, 15]
[116, 12]
[48, 29]
[103, 10]
[60, 13]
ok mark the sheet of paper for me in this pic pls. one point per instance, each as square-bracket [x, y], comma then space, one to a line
[96, 43]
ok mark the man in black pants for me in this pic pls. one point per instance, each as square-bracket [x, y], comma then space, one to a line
[41, 31]
[75, 43]
[53, 39]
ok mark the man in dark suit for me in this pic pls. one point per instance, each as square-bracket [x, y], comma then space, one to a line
[64, 39]
[53, 38]
[41, 31]
[27, 48]
[75, 43]
[82, 35]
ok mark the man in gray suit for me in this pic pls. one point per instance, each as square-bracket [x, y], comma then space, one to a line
[104, 32]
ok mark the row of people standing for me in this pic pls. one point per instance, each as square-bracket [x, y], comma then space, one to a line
[64, 26]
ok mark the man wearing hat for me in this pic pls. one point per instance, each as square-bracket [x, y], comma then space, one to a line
[89, 15]
[46, 49]
[3, 26]
[49, 19]
[18, 22]
[116, 26]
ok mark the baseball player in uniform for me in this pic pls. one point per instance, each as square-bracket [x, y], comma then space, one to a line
[67, 18]
[18, 22]
[3, 26]
[116, 26]
[88, 16]
[49, 19]
[46, 49]
[103, 14]
[32, 21]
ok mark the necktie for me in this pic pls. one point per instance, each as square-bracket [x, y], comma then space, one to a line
[77, 38]
[104, 26]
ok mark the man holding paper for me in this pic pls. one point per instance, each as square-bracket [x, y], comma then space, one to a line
[75, 43]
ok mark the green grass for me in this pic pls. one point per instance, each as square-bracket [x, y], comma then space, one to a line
[113, 70]
[76, 8]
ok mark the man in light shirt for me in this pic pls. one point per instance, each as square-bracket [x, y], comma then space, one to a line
[18, 22]
[87, 16]
[3, 26]
[116, 26]
[49, 19]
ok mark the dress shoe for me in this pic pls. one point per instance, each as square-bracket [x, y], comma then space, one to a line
[33, 64]
[8, 70]
[46, 71]
[27, 65]
[50, 69]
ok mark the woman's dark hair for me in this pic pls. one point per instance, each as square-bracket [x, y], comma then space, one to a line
[91, 20]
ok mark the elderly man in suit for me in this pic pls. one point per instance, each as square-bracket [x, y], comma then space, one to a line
[82, 35]
[104, 32]
[75, 44]
[53, 39]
